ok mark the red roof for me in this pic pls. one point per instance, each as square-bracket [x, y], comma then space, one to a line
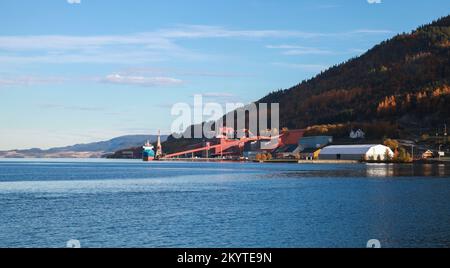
[291, 137]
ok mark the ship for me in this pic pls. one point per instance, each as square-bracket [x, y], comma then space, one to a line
[148, 153]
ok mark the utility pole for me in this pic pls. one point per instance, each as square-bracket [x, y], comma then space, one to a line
[412, 151]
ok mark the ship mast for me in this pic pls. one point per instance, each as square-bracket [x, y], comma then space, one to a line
[158, 146]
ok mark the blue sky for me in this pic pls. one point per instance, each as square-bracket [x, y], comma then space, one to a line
[88, 71]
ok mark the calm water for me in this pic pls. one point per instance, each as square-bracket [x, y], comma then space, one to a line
[163, 204]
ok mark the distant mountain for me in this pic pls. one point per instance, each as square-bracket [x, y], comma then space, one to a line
[95, 149]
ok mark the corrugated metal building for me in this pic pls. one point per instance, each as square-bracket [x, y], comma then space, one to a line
[314, 142]
[355, 152]
[287, 151]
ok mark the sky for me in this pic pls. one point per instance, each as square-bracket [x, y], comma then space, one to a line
[77, 71]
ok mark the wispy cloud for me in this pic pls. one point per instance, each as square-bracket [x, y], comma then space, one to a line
[152, 71]
[206, 31]
[217, 95]
[374, 1]
[292, 50]
[370, 31]
[305, 67]
[300, 50]
[74, 2]
[28, 81]
[72, 107]
[141, 80]
[221, 97]
[136, 48]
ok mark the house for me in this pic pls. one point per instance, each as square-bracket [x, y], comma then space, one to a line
[427, 154]
[355, 152]
[358, 134]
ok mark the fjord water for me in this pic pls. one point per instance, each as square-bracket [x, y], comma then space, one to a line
[110, 203]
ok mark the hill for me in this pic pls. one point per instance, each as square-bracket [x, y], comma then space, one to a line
[400, 89]
[403, 82]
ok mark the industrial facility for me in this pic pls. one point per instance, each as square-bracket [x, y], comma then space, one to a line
[356, 152]
[288, 144]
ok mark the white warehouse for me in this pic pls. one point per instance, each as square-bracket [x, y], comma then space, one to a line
[355, 152]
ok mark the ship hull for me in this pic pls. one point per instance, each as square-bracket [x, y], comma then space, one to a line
[148, 154]
[148, 158]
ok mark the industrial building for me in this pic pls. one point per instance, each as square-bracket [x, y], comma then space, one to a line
[310, 146]
[314, 142]
[355, 152]
[287, 151]
[310, 154]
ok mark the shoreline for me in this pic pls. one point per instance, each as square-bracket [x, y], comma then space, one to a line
[444, 161]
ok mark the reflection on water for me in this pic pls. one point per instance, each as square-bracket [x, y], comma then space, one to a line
[366, 170]
[408, 170]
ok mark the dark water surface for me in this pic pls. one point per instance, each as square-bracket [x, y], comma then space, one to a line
[44, 203]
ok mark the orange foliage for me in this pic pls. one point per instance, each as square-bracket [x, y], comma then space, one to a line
[389, 103]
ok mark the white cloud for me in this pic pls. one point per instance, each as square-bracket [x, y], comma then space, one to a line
[304, 67]
[292, 50]
[374, 1]
[141, 80]
[74, 1]
[73, 107]
[181, 72]
[28, 81]
[145, 47]
[217, 95]
[206, 31]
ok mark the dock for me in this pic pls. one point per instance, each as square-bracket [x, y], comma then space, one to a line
[329, 162]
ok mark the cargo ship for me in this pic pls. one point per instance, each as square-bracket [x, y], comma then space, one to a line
[148, 153]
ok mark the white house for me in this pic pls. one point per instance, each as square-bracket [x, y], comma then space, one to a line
[355, 152]
[358, 134]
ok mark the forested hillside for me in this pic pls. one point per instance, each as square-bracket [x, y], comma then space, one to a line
[404, 81]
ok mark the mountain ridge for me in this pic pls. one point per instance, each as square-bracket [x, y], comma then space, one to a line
[84, 150]
[407, 75]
